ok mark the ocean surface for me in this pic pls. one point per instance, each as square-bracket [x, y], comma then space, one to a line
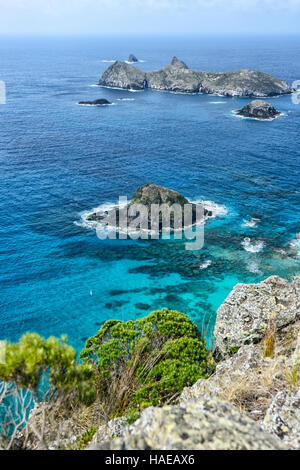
[59, 160]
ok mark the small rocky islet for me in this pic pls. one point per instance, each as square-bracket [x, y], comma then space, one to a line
[98, 102]
[178, 77]
[258, 109]
[147, 195]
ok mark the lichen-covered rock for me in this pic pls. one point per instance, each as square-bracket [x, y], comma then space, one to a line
[178, 77]
[114, 428]
[283, 418]
[208, 424]
[244, 315]
[231, 370]
[258, 109]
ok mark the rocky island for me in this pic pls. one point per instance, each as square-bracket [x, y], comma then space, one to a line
[178, 77]
[258, 109]
[99, 102]
[147, 195]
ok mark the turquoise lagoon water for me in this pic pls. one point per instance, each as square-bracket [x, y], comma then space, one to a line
[59, 160]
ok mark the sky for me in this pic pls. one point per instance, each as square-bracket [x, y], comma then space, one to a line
[77, 17]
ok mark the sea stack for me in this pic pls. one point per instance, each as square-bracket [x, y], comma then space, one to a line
[258, 109]
[132, 58]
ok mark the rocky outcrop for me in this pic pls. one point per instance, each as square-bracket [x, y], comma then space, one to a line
[152, 194]
[258, 109]
[283, 418]
[146, 196]
[125, 76]
[243, 317]
[208, 424]
[178, 77]
[132, 58]
[99, 102]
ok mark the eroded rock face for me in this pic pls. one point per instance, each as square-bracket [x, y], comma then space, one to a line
[177, 77]
[244, 315]
[123, 75]
[283, 418]
[208, 424]
[258, 109]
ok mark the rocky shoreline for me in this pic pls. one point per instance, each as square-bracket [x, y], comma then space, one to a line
[178, 77]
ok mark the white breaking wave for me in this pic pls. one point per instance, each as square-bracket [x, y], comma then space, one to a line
[104, 104]
[205, 265]
[253, 267]
[217, 102]
[251, 223]
[295, 245]
[125, 99]
[109, 60]
[217, 210]
[134, 62]
[234, 113]
[255, 247]
[119, 88]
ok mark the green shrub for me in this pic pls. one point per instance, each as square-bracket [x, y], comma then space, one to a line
[34, 361]
[147, 361]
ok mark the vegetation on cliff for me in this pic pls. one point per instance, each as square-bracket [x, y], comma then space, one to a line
[147, 361]
[46, 395]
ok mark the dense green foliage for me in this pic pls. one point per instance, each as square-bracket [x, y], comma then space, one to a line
[34, 359]
[151, 359]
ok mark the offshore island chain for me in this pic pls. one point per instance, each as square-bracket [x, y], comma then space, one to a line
[178, 77]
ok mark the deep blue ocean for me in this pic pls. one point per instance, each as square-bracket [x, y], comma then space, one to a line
[59, 160]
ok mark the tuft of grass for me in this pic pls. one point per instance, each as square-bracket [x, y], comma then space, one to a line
[85, 439]
[270, 338]
[292, 375]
